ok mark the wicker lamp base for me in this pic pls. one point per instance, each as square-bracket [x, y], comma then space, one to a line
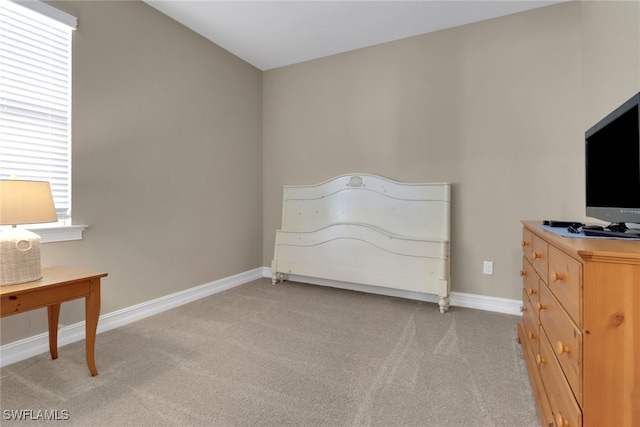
[19, 256]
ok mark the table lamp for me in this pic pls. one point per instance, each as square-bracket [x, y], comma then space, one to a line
[22, 202]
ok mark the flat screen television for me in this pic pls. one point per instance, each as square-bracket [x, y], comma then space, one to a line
[613, 168]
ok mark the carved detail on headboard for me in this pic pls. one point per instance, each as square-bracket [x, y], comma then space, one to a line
[355, 181]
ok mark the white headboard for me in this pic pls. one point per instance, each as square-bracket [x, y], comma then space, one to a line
[368, 230]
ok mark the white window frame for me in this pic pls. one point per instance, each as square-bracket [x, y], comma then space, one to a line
[63, 230]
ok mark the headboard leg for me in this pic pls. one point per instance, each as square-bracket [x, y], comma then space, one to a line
[277, 277]
[444, 304]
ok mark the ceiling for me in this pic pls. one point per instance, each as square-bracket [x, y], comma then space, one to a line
[270, 34]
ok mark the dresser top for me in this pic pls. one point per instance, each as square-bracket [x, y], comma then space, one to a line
[606, 250]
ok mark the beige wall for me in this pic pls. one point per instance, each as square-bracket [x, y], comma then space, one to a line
[167, 160]
[494, 107]
[611, 60]
[173, 135]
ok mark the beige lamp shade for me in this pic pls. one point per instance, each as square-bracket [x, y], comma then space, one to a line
[26, 202]
[22, 202]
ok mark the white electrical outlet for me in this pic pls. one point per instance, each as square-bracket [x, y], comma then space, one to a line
[487, 268]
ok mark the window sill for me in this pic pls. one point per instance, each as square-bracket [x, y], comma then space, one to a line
[59, 233]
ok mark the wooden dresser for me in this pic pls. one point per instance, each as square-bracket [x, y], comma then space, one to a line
[580, 329]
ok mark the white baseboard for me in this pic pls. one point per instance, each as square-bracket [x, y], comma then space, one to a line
[37, 344]
[458, 299]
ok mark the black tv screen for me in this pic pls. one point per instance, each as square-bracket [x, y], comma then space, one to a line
[613, 165]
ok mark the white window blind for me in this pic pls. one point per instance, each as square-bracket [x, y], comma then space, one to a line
[35, 97]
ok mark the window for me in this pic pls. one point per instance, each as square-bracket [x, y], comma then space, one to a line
[35, 100]
[35, 97]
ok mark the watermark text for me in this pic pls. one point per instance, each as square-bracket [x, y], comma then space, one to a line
[35, 414]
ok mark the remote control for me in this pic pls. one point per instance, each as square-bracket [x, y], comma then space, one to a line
[562, 224]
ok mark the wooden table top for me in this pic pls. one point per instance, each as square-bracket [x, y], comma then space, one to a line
[57, 275]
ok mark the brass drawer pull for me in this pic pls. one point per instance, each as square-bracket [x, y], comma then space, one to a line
[561, 348]
[561, 421]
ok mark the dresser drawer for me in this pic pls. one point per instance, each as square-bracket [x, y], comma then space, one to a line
[527, 243]
[531, 325]
[540, 256]
[544, 408]
[566, 411]
[565, 339]
[565, 278]
[530, 281]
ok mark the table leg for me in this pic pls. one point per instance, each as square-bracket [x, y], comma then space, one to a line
[53, 312]
[92, 313]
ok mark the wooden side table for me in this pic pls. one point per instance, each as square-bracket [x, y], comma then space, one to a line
[58, 284]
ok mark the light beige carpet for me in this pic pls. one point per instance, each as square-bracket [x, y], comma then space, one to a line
[286, 355]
